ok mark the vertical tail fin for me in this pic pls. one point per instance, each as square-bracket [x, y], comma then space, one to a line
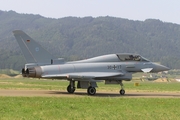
[33, 52]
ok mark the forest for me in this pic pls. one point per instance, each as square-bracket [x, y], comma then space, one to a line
[75, 38]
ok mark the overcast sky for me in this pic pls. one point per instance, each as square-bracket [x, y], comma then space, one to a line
[165, 10]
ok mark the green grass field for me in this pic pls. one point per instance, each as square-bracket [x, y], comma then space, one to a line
[88, 107]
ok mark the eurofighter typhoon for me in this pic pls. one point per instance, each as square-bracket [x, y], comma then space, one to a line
[111, 68]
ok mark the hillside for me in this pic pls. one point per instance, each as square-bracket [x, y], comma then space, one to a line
[78, 38]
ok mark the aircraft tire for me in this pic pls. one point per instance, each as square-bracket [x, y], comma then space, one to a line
[122, 91]
[70, 89]
[91, 90]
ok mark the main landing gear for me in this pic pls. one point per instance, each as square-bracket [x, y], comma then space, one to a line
[122, 91]
[71, 87]
[90, 90]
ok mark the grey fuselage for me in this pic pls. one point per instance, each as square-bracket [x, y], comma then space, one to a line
[107, 67]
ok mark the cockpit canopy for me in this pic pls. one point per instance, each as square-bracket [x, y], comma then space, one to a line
[131, 57]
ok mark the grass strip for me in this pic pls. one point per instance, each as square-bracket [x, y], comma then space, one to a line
[88, 108]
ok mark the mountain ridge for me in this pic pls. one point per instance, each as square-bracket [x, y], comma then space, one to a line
[80, 38]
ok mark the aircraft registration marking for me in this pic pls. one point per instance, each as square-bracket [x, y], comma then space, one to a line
[114, 67]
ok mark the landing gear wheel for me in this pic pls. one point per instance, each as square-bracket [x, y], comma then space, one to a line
[122, 91]
[70, 89]
[91, 90]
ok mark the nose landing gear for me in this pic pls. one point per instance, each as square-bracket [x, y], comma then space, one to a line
[122, 91]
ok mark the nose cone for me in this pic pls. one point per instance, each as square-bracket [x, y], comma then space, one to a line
[160, 68]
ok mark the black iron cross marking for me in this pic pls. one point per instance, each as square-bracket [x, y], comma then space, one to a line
[114, 67]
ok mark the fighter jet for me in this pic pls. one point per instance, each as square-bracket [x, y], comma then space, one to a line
[111, 68]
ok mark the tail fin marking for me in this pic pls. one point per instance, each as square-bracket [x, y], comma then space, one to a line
[32, 51]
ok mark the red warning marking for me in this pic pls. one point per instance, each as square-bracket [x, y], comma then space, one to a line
[28, 40]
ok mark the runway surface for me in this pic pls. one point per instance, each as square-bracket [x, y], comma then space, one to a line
[55, 93]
